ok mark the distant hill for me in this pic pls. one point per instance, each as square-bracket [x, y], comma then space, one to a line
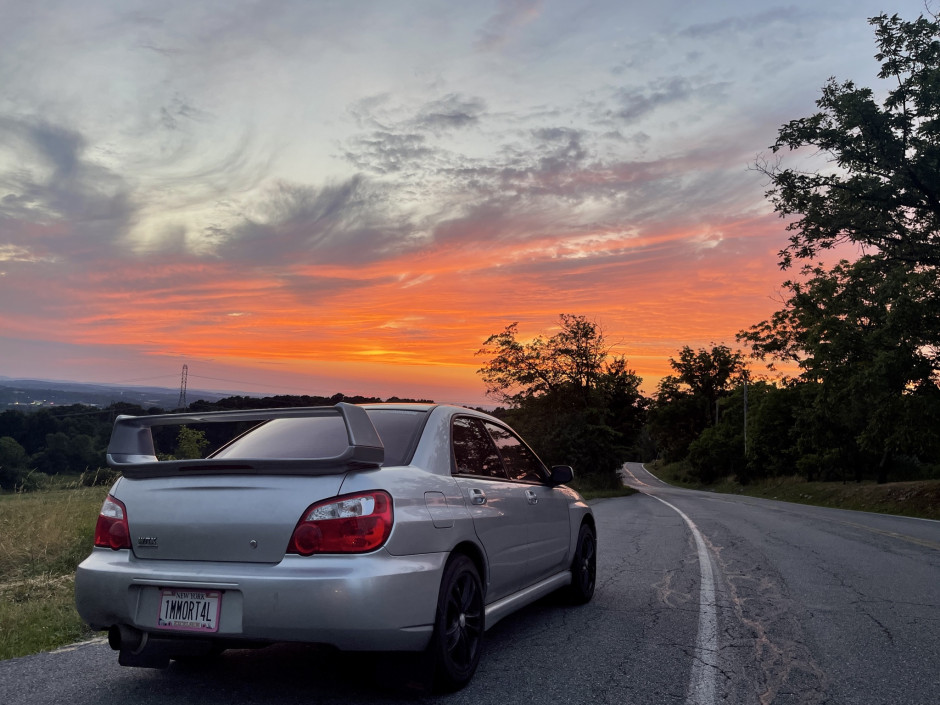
[26, 394]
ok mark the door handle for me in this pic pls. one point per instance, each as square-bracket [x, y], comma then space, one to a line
[477, 496]
[531, 497]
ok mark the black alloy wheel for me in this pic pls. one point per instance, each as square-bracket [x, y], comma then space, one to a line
[584, 567]
[459, 625]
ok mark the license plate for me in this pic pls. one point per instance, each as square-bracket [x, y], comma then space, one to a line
[191, 610]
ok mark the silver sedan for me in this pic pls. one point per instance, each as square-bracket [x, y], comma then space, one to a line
[386, 527]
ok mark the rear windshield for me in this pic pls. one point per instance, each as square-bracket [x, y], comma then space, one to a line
[325, 437]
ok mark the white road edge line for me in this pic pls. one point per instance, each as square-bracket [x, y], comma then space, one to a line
[705, 664]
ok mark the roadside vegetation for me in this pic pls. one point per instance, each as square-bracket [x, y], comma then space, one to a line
[43, 537]
[914, 499]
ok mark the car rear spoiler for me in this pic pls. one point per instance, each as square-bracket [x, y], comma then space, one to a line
[131, 449]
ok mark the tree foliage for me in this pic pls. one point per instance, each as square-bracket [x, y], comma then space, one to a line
[574, 401]
[190, 443]
[686, 402]
[13, 462]
[573, 359]
[863, 319]
[881, 190]
[865, 334]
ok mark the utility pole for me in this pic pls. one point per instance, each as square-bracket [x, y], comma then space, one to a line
[181, 404]
[744, 377]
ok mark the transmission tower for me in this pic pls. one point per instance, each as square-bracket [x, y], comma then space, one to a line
[181, 404]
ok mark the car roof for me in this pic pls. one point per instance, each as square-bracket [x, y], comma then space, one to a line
[418, 406]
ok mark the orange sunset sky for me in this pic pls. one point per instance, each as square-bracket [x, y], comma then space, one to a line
[315, 198]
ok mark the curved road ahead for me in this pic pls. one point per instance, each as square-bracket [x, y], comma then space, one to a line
[702, 598]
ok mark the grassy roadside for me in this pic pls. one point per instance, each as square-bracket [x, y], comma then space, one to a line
[604, 487]
[43, 537]
[914, 499]
[607, 494]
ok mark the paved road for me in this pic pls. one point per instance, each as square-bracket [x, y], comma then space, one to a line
[701, 598]
[816, 605]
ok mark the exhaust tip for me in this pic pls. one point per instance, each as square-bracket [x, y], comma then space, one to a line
[123, 637]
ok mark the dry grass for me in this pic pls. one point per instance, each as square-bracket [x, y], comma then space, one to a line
[914, 499]
[43, 537]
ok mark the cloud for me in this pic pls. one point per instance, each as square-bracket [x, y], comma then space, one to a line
[548, 191]
[453, 111]
[745, 25]
[637, 103]
[386, 178]
[563, 149]
[401, 139]
[386, 152]
[345, 222]
[512, 14]
[49, 176]
[15, 253]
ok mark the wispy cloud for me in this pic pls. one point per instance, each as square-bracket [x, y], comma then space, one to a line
[511, 15]
[48, 176]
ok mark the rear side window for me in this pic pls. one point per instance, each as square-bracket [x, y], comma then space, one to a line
[474, 452]
[399, 430]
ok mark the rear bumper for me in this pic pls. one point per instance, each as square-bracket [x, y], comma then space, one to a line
[366, 602]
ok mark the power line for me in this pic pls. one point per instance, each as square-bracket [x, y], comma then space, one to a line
[233, 381]
[264, 385]
[140, 379]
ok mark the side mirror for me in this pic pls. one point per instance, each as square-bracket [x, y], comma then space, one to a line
[562, 474]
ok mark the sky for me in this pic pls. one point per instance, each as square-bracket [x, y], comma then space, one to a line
[317, 197]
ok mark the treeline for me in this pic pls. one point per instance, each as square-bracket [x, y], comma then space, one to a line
[579, 404]
[713, 417]
[73, 440]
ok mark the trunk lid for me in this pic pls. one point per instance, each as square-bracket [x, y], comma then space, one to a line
[244, 518]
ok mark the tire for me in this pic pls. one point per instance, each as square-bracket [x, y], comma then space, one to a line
[584, 567]
[457, 641]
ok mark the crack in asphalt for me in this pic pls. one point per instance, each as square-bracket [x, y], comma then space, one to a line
[764, 634]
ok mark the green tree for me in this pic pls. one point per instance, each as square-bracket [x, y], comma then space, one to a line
[687, 402]
[884, 192]
[13, 462]
[574, 358]
[772, 444]
[574, 401]
[190, 443]
[66, 454]
[863, 336]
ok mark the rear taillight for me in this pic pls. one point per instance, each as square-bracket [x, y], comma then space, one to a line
[353, 524]
[111, 530]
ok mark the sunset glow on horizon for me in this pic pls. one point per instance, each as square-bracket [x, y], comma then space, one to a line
[321, 198]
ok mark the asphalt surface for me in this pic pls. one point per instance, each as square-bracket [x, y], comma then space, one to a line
[701, 598]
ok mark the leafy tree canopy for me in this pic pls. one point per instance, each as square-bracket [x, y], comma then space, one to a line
[857, 318]
[882, 191]
[866, 334]
[569, 397]
[704, 375]
[575, 357]
[686, 401]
